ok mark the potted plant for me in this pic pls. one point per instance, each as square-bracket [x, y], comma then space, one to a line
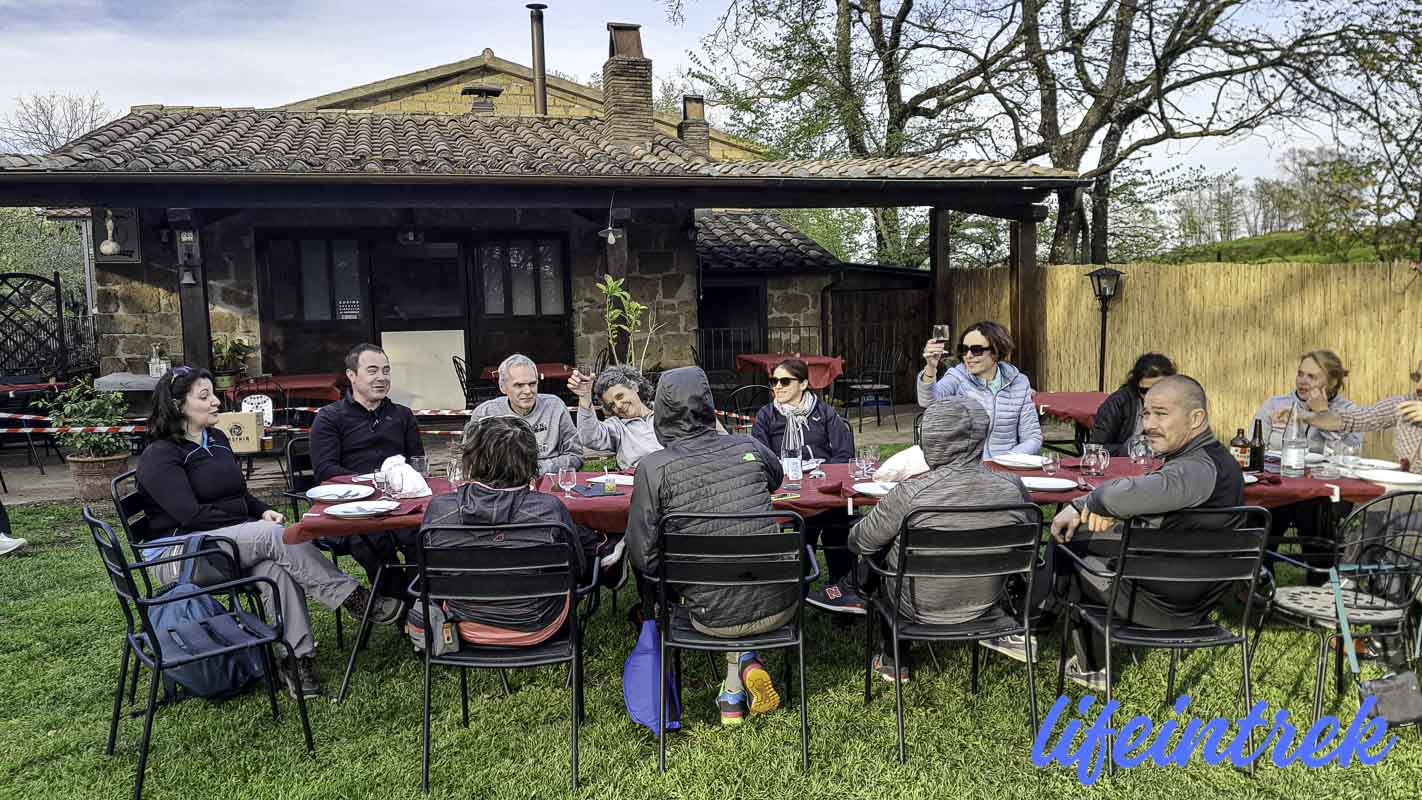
[94, 459]
[229, 357]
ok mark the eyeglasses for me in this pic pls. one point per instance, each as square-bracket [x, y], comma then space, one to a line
[976, 350]
[783, 382]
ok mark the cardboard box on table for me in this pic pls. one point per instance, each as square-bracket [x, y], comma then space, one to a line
[244, 430]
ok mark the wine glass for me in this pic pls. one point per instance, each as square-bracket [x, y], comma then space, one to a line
[456, 471]
[1051, 460]
[382, 483]
[567, 479]
[869, 456]
[1139, 450]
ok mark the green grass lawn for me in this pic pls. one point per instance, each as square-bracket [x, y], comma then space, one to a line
[59, 646]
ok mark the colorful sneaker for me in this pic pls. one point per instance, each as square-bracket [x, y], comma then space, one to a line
[763, 697]
[885, 668]
[837, 597]
[1095, 681]
[732, 706]
[1013, 645]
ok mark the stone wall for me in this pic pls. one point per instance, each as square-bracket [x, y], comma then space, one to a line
[137, 304]
[794, 300]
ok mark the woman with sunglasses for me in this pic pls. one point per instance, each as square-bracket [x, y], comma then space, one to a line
[189, 481]
[985, 375]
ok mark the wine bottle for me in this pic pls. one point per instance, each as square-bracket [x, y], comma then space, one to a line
[1256, 448]
[1239, 448]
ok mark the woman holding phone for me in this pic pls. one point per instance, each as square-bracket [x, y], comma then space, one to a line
[985, 375]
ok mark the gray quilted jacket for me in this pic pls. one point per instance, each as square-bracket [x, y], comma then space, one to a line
[954, 430]
[700, 471]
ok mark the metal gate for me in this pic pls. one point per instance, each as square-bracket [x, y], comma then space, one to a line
[37, 337]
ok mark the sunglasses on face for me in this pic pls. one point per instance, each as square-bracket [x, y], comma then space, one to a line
[783, 382]
[975, 350]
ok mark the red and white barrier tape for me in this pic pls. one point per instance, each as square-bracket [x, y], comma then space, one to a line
[79, 429]
[8, 415]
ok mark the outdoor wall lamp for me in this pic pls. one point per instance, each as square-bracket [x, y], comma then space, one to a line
[1105, 284]
[609, 233]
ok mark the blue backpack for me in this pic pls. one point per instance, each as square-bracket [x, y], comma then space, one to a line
[198, 624]
[639, 682]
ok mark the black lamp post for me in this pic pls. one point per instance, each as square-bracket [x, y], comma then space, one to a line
[1105, 283]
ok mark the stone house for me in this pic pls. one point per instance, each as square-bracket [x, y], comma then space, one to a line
[470, 209]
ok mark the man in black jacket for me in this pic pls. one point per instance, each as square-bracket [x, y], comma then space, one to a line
[699, 471]
[355, 435]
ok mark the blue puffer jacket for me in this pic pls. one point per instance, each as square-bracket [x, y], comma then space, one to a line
[1015, 428]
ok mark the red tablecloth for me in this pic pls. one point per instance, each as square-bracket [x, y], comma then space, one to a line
[1078, 407]
[609, 514]
[1266, 495]
[314, 524]
[548, 372]
[312, 386]
[823, 369]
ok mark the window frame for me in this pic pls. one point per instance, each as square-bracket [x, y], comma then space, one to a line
[534, 238]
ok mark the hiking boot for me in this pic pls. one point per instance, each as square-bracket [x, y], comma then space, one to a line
[732, 706]
[385, 612]
[300, 677]
[839, 598]
[1095, 681]
[763, 697]
[1013, 645]
[884, 665]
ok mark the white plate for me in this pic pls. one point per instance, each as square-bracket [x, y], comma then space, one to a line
[1390, 476]
[875, 488]
[337, 492]
[620, 480]
[1248, 479]
[1036, 484]
[1019, 461]
[1378, 463]
[366, 477]
[362, 508]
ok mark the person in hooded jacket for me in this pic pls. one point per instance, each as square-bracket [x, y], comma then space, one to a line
[954, 431]
[500, 459]
[984, 375]
[1118, 419]
[700, 471]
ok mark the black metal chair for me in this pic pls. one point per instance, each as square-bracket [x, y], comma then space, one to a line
[928, 553]
[747, 401]
[730, 550]
[237, 630]
[918, 429]
[1379, 556]
[1199, 546]
[483, 572]
[300, 476]
[128, 504]
[878, 378]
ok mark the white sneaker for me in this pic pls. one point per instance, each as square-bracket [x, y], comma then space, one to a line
[10, 545]
[1095, 681]
[1013, 645]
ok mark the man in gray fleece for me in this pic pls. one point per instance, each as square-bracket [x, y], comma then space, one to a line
[1198, 473]
[953, 433]
[558, 443]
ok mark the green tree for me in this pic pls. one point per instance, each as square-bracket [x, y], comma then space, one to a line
[31, 243]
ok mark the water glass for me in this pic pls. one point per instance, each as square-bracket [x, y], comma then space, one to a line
[1346, 456]
[869, 457]
[567, 479]
[421, 465]
[1139, 450]
[382, 484]
[456, 472]
[1051, 460]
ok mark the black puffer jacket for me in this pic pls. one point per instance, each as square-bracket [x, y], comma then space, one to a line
[700, 471]
[1116, 420]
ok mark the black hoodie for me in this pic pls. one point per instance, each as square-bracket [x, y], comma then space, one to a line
[700, 471]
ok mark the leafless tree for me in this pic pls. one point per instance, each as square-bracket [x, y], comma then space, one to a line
[41, 123]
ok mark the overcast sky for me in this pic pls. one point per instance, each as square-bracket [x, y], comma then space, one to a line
[270, 52]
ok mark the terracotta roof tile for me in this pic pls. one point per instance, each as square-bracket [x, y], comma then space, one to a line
[756, 241]
[232, 140]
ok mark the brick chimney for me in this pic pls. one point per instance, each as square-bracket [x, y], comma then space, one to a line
[483, 98]
[693, 129]
[627, 87]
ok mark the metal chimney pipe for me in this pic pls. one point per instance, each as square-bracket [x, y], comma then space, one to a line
[540, 76]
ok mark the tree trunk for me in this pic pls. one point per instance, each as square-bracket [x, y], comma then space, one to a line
[1100, 216]
[1068, 230]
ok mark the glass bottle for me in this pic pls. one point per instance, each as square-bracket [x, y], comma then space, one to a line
[1294, 455]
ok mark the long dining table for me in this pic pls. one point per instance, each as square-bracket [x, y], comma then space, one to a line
[608, 513]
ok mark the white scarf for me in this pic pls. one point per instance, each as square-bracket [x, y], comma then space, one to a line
[797, 418]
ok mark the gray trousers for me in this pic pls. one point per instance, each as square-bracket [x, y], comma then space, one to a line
[752, 628]
[296, 569]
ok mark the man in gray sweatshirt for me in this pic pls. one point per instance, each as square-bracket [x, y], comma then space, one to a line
[558, 443]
